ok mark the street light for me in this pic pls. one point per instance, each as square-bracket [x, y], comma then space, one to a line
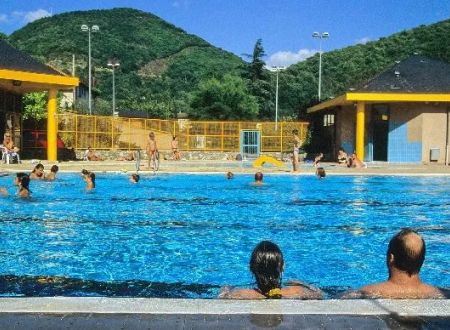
[276, 69]
[320, 36]
[113, 63]
[88, 29]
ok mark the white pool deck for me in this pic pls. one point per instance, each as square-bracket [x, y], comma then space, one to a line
[103, 305]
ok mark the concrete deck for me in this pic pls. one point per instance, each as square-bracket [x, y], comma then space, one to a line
[235, 167]
[141, 313]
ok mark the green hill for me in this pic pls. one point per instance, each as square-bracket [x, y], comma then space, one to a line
[350, 66]
[159, 63]
[163, 67]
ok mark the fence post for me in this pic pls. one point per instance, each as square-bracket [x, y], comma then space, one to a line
[76, 132]
[95, 131]
[188, 128]
[112, 133]
[281, 140]
[222, 137]
[129, 133]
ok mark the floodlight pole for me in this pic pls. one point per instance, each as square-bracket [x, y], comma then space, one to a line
[277, 69]
[113, 64]
[320, 36]
[88, 29]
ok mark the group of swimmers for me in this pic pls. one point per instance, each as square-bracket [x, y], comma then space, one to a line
[404, 258]
[22, 180]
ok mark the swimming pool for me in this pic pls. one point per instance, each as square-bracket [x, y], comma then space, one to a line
[188, 235]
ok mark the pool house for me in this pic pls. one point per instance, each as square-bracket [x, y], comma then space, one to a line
[399, 116]
[19, 74]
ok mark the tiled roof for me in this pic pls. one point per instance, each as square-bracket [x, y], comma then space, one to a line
[415, 74]
[13, 59]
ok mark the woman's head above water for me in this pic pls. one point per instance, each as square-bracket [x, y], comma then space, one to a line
[266, 264]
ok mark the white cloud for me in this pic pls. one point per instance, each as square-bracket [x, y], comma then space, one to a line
[27, 16]
[364, 40]
[286, 58]
[31, 16]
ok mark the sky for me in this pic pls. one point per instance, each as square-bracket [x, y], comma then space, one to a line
[285, 26]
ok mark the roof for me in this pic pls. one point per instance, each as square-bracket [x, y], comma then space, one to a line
[13, 59]
[415, 79]
[415, 74]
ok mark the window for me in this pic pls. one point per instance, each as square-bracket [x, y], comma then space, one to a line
[328, 120]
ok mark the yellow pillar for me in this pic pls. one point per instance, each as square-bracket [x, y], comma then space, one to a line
[360, 129]
[52, 127]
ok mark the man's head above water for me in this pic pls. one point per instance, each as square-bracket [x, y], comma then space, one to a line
[406, 252]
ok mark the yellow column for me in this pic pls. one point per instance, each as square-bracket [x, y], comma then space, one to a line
[52, 127]
[360, 129]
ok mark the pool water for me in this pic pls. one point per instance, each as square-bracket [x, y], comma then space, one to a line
[188, 235]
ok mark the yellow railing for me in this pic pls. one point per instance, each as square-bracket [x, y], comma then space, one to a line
[113, 133]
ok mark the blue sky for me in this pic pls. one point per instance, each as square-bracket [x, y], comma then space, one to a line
[285, 26]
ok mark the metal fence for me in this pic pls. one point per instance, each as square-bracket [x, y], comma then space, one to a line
[118, 133]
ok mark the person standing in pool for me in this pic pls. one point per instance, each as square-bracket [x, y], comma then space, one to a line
[404, 258]
[38, 172]
[52, 175]
[258, 179]
[296, 151]
[89, 178]
[267, 266]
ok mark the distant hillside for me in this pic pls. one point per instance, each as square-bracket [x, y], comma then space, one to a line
[349, 67]
[162, 66]
[159, 62]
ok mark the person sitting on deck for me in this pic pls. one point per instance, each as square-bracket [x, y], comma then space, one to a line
[9, 150]
[91, 156]
[267, 265]
[355, 162]
[342, 157]
[405, 256]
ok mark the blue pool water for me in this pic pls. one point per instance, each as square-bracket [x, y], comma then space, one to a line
[188, 235]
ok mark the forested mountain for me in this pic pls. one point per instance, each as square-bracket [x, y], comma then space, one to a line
[165, 70]
[159, 63]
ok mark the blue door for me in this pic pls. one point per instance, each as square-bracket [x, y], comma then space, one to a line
[250, 143]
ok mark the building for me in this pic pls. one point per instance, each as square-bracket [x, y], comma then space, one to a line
[19, 74]
[400, 116]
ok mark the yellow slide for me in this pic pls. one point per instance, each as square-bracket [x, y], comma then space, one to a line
[261, 160]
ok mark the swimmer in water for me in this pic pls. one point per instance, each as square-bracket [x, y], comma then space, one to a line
[52, 175]
[134, 178]
[320, 172]
[38, 172]
[230, 175]
[267, 266]
[90, 181]
[258, 179]
[24, 190]
[404, 258]
[19, 177]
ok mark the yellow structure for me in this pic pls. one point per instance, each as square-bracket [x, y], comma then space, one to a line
[119, 133]
[20, 74]
[401, 115]
[261, 160]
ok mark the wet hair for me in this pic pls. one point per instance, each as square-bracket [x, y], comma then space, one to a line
[174, 137]
[38, 166]
[20, 175]
[407, 258]
[54, 168]
[25, 182]
[85, 172]
[321, 172]
[295, 131]
[258, 176]
[91, 175]
[135, 177]
[151, 134]
[266, 264]
[230, 175]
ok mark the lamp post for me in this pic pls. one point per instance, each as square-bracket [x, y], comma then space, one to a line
[93, 28]
[276, 69]
[320, 36]
[113, 64]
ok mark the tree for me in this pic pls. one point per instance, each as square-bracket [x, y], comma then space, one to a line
[256, 66]
[226, 99]
[35, 106]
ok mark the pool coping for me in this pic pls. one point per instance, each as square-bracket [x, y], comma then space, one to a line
[109, 305]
